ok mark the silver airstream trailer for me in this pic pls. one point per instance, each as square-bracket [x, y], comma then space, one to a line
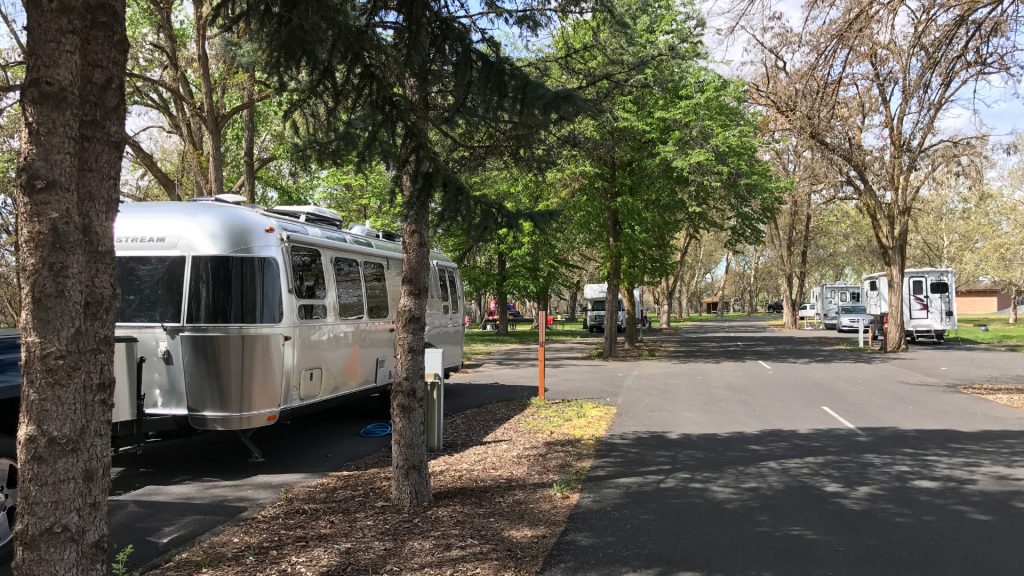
[244, 314]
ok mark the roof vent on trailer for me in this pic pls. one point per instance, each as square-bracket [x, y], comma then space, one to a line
[226, 198]
[366, 230]
[310, 214]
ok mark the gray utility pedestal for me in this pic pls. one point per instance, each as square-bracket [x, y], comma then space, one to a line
[433, 409]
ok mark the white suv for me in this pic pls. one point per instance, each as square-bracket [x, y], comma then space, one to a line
[808, 310]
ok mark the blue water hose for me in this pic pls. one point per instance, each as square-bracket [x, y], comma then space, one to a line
[376, 430]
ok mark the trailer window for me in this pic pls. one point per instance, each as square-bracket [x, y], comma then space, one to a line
[442, 278]
[453, 285]
[234, 290]
[854, 296]
[151, 289]
[872, 285]
[844, 296]
[917, 287]
[308, 273]
[350, 288]
[376, 290]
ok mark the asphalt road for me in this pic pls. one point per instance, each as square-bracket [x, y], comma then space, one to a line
[722, 460]
[744, 451]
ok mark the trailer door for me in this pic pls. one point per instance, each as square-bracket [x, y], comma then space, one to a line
[918, 298]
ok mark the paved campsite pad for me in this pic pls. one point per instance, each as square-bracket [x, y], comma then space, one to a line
[495, 509]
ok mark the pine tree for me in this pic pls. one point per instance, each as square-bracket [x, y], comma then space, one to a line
[425, 86]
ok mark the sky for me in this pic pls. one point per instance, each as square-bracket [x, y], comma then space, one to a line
[1000, 111]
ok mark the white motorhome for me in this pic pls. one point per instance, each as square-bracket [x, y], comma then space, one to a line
[929, 301]
[828, 298]
[595, 295]
[246, 315]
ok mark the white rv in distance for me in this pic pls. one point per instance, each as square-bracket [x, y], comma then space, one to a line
[595, 295]
[828, 298]
[929, 301]
[247, 315]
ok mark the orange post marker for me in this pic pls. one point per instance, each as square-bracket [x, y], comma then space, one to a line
[540, 355]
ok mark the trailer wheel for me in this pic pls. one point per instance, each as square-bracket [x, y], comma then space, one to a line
[940, 338]
[8, 497]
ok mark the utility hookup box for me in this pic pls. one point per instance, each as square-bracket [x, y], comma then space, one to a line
[433, 409]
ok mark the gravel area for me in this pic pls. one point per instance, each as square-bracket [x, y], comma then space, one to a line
[1011, 395]
[502, 495]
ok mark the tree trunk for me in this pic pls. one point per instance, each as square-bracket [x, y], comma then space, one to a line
[721, 287]
[410, 473]
[249, 155]
[611, 306]
[215, 152]
[1014, 295]
[501, 310]
[73, 109]
[752, 283]
[629, 301]
[477, 310]
[574, 295]
[665, 308]
[895, 264]
[789, 308]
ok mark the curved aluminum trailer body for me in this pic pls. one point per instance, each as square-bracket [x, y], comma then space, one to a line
[243, 314]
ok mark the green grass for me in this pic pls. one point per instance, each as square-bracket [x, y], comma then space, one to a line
[583, 419]
[480, 342]
[1000, 332]
[712, 317]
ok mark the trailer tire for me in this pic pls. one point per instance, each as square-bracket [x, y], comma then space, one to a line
[939, 338]
[8, 491]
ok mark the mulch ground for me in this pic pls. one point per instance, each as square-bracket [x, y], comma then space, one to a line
[494, 512]
[1009, 394]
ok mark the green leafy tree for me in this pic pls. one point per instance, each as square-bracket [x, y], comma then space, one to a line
[670, 146]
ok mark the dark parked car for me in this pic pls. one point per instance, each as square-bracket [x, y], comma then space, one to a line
[775, 307]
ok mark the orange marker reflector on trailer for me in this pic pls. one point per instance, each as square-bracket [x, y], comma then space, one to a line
[269, 229]
[272, 418]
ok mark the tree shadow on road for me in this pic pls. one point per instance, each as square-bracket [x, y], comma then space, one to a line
[782, 502]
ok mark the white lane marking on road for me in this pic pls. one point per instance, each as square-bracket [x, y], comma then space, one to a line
[841, 419]
[765, 365]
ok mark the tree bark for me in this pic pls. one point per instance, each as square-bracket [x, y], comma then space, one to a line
[73, 109]
[249, 154]
[752, 283]
[670, 285]
[895, 265]
[147, 161]
[721, 287]
[1014, 295]
[410, 473]
[215, 152]
[501, 310]
[611, 304]
[629, 303]
[574, 295]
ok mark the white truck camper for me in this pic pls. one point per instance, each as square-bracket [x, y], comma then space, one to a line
[829, 297]
[245, 316]
[595, 296]
[929, 301]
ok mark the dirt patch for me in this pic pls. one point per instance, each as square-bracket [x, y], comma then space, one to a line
[502, 495]
[1009, 394]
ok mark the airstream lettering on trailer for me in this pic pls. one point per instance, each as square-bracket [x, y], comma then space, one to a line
[245, 315]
